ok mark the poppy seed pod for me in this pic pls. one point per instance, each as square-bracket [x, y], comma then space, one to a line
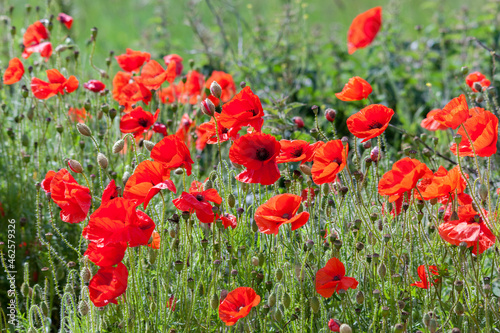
[118, 146]
[344, 328]
[207, 107]
[83, 129]
[75, 166]
[215, 89]
[102, 160]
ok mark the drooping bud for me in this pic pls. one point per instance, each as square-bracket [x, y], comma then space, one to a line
[314, 301]
[75, 166]
[360, 297]
[231, 200]
[102, 160]
[83, 129]
[148, 144]
[375, 154]
[85, 275]
[215, 89]
[298, 121]
[305, 169]
[207, 107]
[118, 146]
[483, 192]
[330, 115]
[344, 328]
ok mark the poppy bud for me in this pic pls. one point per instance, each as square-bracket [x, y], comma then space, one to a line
[314, 301]
[214, 301]
[298, 121]
[272, 299]
[243, 84]
[102, 160]
[231, 200]
[85, 275]
[375, 154]
[255, 261]
[314, 133]
[278, 315]
[208, 185]
[305, 169]
[338, 244]
[427, 318]
[148, 144]
[83, 129]
[344, 328]
[75, 166]
[432, 325]
[207, 107]
[83, 307]
[483, 192]
[255, 227]
[259, 278]
[118, 146]
[459, 309]
[215, 89]
[382, 270]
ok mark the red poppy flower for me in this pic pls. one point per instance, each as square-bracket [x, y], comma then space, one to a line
[370, 121]
[171, 93]
[47, 180]
[198, 202]
[184, 128]
[65, 19]
[128, 92]
[160, 128]
[131, 61]
[152, 75]
[177, 60]
[119, 221]
[328, 161]
[454, 113]
[229, 220]
[356, 89]
[305, 194]
[279, 210]
[108, 284]
[469, 228]
[14, 73]
[364, 28]
[422, 274]
[403, 177]
[137, 121]
[110, 192]
[57, 84]
[257, 152]
[244, 109]
[334, 325]
[94, 86]
[34, 41]
[172, 302]
[193, 87]
[78, 115]
[45, 50]
[155, 241]
[331, 279]
[238, 304]
[441, 184]
[148, 179]
[226, 82]
[477, 77]
[73, 198]
[429, 123]
[108, 255]
[196, 186]
[206, 133]
[173, 153]
[483, 131]
[297, 151]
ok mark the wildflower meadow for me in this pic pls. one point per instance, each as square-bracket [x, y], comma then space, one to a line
[249, 166]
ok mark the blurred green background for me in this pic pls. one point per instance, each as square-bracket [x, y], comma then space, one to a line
[139, 23]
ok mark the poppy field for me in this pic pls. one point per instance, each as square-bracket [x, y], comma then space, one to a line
[252, 175]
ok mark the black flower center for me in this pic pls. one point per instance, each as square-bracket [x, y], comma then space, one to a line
[199, 197]
[286, 216]
[375, 124]
[254, 112]
[337, 160]
[143, 122]
[298, 152]
[262, 154]
[337, 278]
